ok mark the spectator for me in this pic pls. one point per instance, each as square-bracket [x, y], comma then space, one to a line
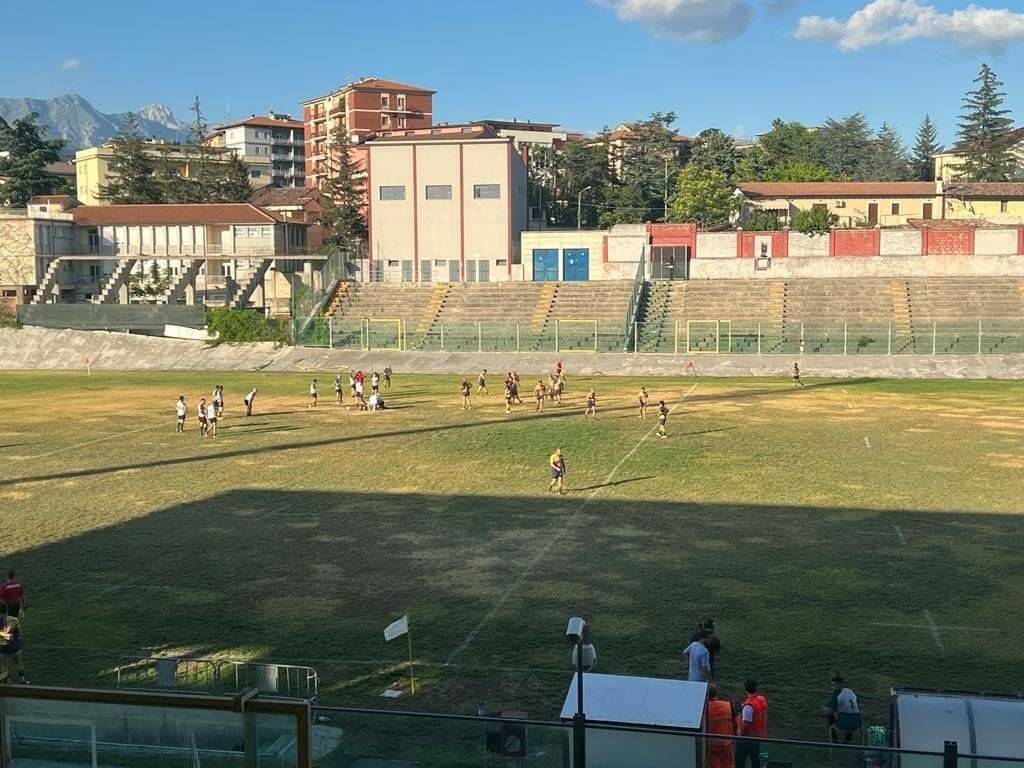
[721, 720]
[10, 645]
[842, 712]
[704, 629]
[12, 594]
[250, 401]
[699, 661]
[753, 725]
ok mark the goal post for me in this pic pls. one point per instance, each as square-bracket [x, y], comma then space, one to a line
[383, 333]
[708, 337]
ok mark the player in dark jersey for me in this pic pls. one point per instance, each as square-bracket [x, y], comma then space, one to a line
[662, 419]
[466, 391]
[796, 376]
[591, 405]
[556, 465]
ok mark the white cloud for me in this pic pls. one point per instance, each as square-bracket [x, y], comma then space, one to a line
[899, 21]
[696, 21]
[71, 64]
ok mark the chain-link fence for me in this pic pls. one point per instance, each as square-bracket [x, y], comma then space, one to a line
[682, 337]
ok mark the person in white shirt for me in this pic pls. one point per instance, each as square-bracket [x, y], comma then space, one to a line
[359, 391]
[250, 400]
[352, 383]
[314, 393]
[375, 382]
[201, 415]
[699, 661]
[337, 389]
[182, 410]
[218, 400]
[211, 420]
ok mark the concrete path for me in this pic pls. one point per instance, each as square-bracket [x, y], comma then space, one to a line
[43, 349]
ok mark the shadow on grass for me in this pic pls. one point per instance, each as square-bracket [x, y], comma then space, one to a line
[311, 577]
[612, 484]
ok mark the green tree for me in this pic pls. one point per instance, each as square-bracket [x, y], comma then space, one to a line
[651, 161]
[25, 164]
[132, 170]
[234, 186]
[986, 131]
[798, 170]
[889, 156]
[623, 204]
[343, 196]
[762, 221]
[753, 164]
[558, 175]
[922, 162]
[206, 168]
[845, 147]
[704, 196]
[815, 221]
[173, 187]
[715, 149]
[788, 142]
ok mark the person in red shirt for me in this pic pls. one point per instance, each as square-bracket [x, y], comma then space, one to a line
[13, 595]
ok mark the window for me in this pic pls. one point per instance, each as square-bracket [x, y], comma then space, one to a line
[439, 191]
[255, 174]
[392, 193]
[820, 207]
[895, 209]
[385, 100]
[385, 121]
[486, 191]
[401, 101]
[401, 122]
[1004, 206]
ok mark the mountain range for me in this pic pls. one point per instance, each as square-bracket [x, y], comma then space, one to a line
[75, 120]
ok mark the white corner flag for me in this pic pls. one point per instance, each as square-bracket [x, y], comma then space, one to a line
[397, 628]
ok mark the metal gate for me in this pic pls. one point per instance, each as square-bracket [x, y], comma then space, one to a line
[670, 262]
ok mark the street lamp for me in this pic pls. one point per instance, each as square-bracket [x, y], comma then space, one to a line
[584, 657]
[579, 207]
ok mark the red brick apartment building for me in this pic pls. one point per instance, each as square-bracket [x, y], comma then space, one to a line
[366, 106]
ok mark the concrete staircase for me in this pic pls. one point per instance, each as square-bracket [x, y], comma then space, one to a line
[46, 285]
[247, 286]
[110, 293]
[177, 289]
[429, 317]
[337, 301]
[903, 335]
[542, 309]
[657, 332]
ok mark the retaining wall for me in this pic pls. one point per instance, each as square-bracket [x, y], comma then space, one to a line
[42, 349]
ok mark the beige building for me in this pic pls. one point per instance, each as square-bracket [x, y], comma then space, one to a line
[92, 167]
[444, 206]
[259, 137]
[995, 202]
[851, 203]
[948, 164]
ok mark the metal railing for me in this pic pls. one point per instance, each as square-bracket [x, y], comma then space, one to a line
[634, 301]
[677, 337]
[217, 677]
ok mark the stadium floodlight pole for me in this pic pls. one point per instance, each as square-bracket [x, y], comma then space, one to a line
[579, 207]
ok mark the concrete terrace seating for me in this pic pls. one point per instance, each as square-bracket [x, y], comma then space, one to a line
[386, 301]
[489, 302]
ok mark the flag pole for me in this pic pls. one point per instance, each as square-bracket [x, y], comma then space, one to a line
[412, 677]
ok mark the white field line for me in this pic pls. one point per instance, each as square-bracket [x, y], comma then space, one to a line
[943, 627]
[93, 442]
[900, 536]
[867, 443]
[504, 597]
[934, 628]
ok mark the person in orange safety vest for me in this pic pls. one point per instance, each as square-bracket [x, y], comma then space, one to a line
[753, 723]
[720, 720]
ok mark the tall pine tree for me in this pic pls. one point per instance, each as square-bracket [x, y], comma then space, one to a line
[926, 146]
[986, 131]
[234, 186]
[889, 156]
[343, 196]
[132, 169]
[845, 147]
[26, 161]
[206, 166]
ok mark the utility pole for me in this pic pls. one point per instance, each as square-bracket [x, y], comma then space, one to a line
[579, 207]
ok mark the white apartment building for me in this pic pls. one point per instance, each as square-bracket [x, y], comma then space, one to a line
[275, 138]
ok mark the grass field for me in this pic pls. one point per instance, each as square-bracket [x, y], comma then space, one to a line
[861, 527]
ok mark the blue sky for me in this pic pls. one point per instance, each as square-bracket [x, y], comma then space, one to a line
[733, 64]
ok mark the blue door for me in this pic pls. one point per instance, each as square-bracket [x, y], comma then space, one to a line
[545, 264]
[576, 264]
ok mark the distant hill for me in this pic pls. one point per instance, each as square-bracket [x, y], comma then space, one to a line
[77, 121]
